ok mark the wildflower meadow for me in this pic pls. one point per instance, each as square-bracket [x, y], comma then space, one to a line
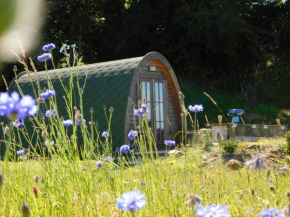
[51, 175]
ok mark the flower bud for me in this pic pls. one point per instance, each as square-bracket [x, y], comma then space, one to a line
[36, 179]
[288, 194]
[6, 130]
[35, 191]
[181, 96]
[15, 68]
[253, 192]
[44, 133]
[1, 180]
[272, 188]
[111, 109]
[91, 109]
[192, 200]
[25, 210]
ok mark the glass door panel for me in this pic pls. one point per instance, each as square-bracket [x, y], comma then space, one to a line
[153, 93]
[146, 94]
[159, 110]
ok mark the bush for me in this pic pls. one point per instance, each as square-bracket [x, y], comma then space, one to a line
[230, 146]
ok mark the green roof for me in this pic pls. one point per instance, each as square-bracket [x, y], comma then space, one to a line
[107, 83]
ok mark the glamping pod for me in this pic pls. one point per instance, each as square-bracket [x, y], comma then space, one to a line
[117, 84]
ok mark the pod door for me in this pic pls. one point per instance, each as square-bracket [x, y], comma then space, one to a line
[154, 92]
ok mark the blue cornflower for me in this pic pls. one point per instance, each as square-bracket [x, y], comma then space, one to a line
[272, 212]
[17, 123]
[48, 113]
[132, 134]
[257, 162]
[16, 108]
[105, 134]
[195, 108]
[47, 93]
[284, 168]
[67, 122]
[80, 122]
[99, 164]
[124, 149]
[48, 47]
[21, 152]
[169, 142]
[212, 211]
[142, 110]
[44, 57]
[131, 201]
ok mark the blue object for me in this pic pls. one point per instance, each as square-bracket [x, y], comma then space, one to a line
[236, 119]
[236, 112]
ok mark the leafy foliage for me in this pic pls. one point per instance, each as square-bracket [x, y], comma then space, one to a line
[230, 146]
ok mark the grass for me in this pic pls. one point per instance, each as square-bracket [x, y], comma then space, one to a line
[65, 189]
[64, 180]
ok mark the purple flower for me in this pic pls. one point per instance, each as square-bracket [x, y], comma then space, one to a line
[36, 179]
[47, 93]
[80, 122]
[132, 134]
[271, 180]
[21, 152]
[107, 159]
[48, 113]
[195, 108]
[131, 201]
[272, 212]
[16, 108]
[169, 142]
[284, 168]
[212, 211]
[48, 47]
[44, 57]
[99, 164]
[14, 68]
[105, 134]
[257, 162]
[124, 149]
[25, 210]
[142, 110]
[67, 123]
[17, 123]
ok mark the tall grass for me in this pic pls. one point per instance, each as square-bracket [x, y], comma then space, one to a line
[64, 180]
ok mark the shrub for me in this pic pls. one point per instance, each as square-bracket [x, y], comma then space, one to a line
[230, 146]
